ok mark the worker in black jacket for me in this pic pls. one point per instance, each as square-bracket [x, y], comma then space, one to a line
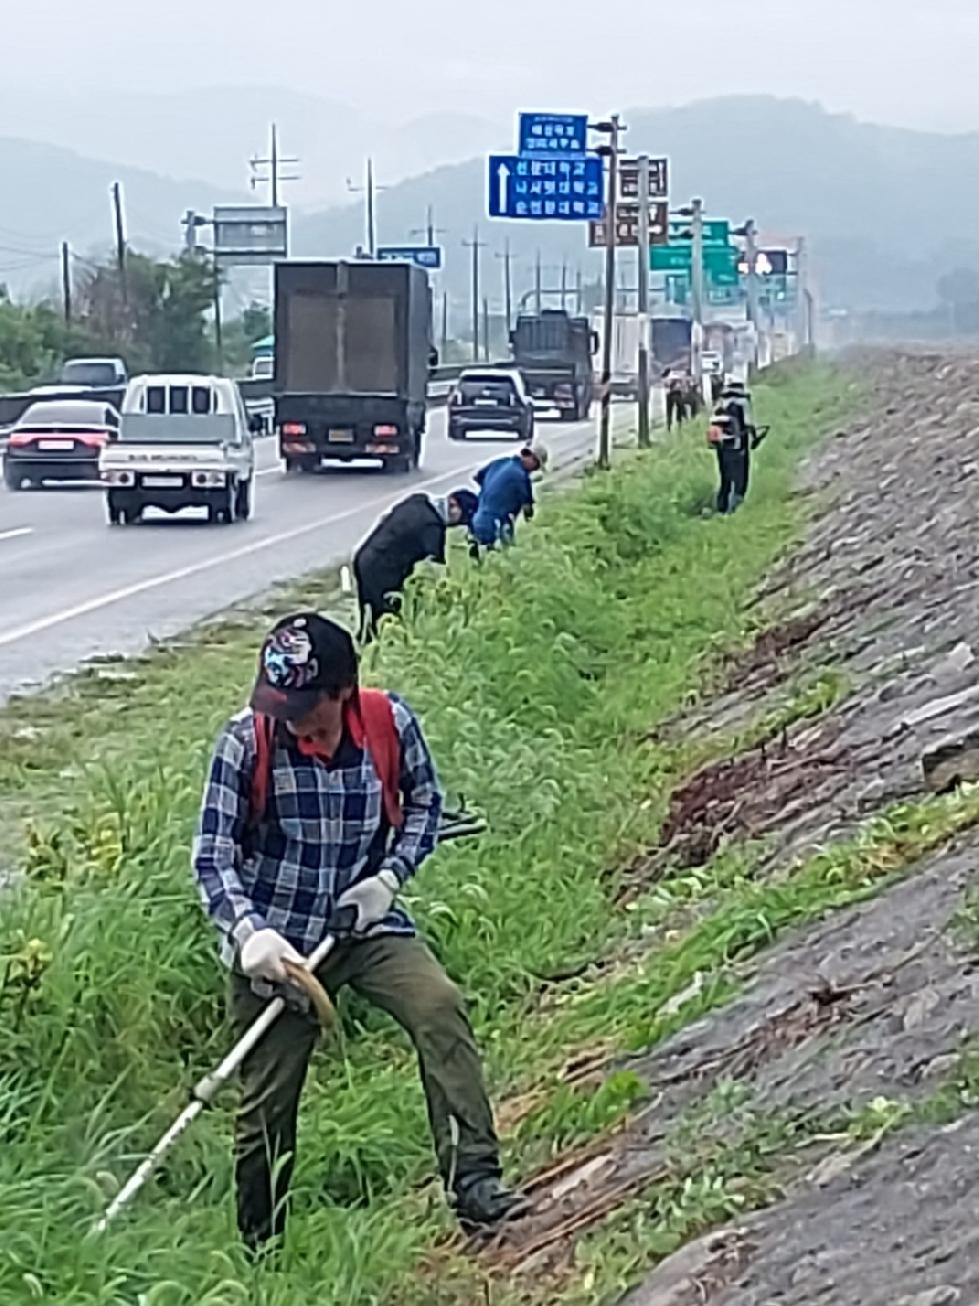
[414, 530]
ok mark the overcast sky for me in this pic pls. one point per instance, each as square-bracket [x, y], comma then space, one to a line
[898, 61]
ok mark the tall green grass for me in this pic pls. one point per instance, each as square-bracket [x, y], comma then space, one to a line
[539, 676]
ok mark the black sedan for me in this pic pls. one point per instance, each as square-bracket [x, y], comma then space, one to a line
[58, 440]
[491, 400]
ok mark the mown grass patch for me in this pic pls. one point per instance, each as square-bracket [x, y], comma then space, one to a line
[539, 677]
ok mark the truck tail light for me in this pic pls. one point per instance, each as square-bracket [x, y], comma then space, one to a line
[294, 428]
[386, 432]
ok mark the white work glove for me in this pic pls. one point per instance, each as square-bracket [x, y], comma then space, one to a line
[262, 955]
[372, 899]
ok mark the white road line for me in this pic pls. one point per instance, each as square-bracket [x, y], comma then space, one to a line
[16, 532]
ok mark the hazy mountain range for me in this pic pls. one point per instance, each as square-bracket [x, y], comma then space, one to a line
[887, 210]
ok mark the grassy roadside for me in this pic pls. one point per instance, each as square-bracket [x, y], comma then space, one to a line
[539, 677]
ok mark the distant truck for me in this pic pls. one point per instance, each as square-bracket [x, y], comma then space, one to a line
[353, 348]
[671, 339]
[553, 352]
[625, 352]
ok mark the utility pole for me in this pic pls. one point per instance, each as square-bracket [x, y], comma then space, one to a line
[475, 245]
[66, 281]
[369, 192]
[445, 325]
[613, 128]
[538, 284]
[697, 293]
[430, 231]
[371, 228]
[121, 247]
[564, 282]
[218, 322]
[643, 302]
[486, 330]
[275, 162]
[507, 258]
[578, 292]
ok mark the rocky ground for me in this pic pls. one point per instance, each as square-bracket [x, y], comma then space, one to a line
[864, 1015]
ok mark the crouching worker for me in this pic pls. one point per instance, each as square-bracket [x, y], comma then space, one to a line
[321, 803]
[413, 531]
[505, 492]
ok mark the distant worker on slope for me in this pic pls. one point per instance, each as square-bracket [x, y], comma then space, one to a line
[414, 530]
[675, 400]
[505, 491]
[733, 435]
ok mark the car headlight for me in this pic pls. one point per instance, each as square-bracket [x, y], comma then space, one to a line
[118, 476]
[209, 480]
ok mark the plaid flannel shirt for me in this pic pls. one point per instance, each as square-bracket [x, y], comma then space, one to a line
[323, 829]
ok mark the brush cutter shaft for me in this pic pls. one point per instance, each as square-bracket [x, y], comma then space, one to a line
[205, 1090]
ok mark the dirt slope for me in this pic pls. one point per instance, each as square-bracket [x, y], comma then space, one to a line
[863, 1014]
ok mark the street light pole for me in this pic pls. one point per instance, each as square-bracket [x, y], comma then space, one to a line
[802, 292]
[697, 293]
[643, 304]
[613, 128]
[751, 253]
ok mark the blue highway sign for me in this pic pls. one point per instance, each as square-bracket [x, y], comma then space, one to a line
[425, 256]
[549, 135]
[546, 190]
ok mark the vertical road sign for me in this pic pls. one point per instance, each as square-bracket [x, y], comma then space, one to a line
[659, 179]
[627, 226]
[548, 190]
[550, 135]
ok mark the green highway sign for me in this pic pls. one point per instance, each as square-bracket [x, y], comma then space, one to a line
[670, 258]
[717, 231]
[720, 261]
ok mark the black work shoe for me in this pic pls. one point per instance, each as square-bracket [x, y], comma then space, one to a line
[486, 1201]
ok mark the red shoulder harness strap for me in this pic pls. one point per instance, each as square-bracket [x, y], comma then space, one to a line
[370, 720]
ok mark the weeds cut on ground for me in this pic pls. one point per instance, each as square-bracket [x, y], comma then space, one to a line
[539, 677]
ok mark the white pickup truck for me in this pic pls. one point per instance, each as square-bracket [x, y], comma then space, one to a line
[185, 441]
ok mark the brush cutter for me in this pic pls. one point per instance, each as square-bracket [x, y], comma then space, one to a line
[458, 824]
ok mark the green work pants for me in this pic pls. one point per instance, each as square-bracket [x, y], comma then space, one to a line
[399, 975]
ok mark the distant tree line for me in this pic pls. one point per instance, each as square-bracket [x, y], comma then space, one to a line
[158, 317]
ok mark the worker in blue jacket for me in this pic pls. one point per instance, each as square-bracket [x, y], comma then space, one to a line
[505, 491]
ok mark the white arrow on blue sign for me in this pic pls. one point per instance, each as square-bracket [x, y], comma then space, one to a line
[424, 256]
[546, 190]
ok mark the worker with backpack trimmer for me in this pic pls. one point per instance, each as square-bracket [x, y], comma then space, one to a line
[322, 801]
[733, 435]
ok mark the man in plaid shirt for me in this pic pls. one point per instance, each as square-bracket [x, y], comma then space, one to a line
[347, 818]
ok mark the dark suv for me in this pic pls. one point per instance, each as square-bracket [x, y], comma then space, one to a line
[490, 399]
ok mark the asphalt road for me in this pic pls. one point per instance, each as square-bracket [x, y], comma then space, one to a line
[72, 588]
